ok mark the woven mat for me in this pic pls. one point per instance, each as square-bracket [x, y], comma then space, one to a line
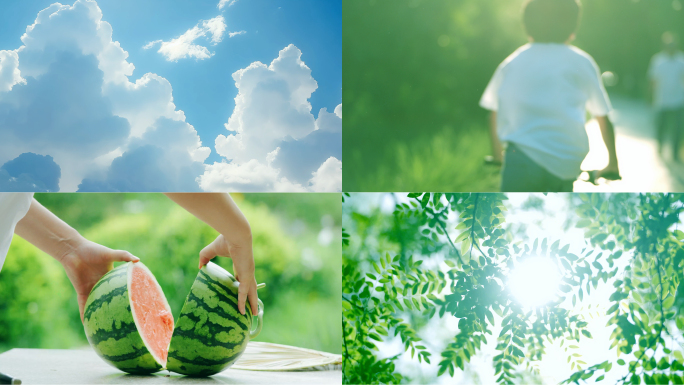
[266, 356]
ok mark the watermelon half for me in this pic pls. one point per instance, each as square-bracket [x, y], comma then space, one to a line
[128, 321]
[211, 334]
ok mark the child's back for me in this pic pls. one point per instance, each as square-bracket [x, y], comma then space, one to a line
[541, 94]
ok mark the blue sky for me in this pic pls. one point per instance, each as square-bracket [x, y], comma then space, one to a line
[204, 89]
[127, 134]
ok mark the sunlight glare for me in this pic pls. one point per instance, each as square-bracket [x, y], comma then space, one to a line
[534, 281]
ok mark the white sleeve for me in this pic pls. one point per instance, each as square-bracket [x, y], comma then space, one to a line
[13, 207]
[490, 97]
[598, 103]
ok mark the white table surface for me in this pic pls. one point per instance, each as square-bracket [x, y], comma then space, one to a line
[55, 366]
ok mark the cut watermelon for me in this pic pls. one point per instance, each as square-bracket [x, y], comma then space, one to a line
[211, 334]
[128, 320]
[151, 312]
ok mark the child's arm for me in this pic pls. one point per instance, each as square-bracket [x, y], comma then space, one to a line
[608, 134]
[85, 262]
[220, 212]
[497, 150]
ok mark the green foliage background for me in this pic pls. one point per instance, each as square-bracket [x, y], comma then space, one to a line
[449, 255]
[302, 298]
[414, 70]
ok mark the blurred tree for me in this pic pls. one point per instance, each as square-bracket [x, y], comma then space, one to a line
[303, 274]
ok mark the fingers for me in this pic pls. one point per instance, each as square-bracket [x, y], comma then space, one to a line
[207, 254]
[253, 299]
[242, 298]
[81, 304]
[123, 256]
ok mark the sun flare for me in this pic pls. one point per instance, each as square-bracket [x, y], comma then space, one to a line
[534, 281]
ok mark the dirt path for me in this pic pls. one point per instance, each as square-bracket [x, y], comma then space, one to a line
[641, 167]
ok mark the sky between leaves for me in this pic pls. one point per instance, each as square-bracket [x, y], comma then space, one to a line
[229, 95]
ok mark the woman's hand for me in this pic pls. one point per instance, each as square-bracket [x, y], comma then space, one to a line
[220, 212]
[87, 263]
[243, 266]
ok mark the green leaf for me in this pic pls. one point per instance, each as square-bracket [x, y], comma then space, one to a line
[465, 246]
[462, 236]
[583, 223]
[517, 352]
[678, 355]
[566, 264]
[377, 269]
[668, 302]
[599, 238]
[425, 200]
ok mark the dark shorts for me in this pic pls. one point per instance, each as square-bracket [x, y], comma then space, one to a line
[522, 174]
[669, 125]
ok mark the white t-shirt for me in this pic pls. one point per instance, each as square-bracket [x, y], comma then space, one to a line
[667, 72]
[13, 207]
[541, 94]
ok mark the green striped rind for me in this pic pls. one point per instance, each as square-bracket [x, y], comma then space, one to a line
[110, 328]
[210, 334]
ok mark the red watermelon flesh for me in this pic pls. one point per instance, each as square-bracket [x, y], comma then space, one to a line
[151, 312]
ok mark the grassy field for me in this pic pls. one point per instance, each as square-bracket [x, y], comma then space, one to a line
[448, 161]
[414, 71]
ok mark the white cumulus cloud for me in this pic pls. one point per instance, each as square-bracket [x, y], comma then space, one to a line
[66, 93]
[274, 141]
[184, 46]
[9, 70]
[328, 177]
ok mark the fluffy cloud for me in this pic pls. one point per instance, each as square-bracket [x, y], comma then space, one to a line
[328, 177]
[183, 46]
[224, 3]
[30, 172]
[274, 140]
[165, 158]
[9, 70]
[68, 95]
[298, 159]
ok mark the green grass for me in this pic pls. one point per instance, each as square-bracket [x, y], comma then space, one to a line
[445, 162]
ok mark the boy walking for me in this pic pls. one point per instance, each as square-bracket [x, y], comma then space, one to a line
[667, 83]
[538, 98]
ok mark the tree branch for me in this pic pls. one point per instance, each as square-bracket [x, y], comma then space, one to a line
[472, 225]
[451, 242]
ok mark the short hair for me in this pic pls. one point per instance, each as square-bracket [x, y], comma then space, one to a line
[551, 21]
